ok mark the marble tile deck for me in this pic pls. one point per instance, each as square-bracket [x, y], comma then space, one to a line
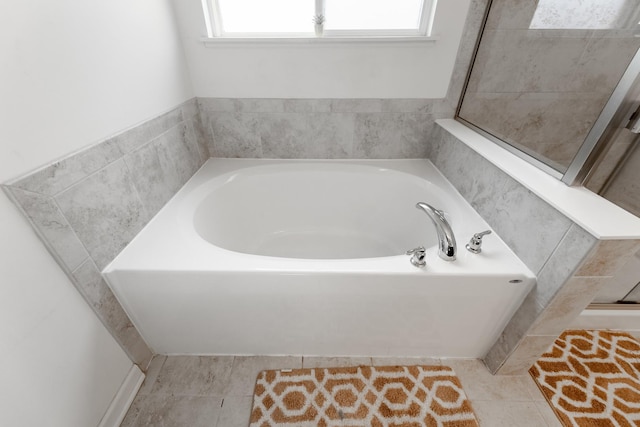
[217, 391]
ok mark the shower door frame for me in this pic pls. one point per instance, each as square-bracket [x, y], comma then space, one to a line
[614, 112]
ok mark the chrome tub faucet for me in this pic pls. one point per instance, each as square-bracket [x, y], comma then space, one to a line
[446, 240]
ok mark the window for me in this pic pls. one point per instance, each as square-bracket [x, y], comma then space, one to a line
[309, 18]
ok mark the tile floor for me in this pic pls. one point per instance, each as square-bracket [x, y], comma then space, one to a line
[217, 391]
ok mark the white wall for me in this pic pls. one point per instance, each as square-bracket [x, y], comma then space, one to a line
[323, 71]
[73, 72]
[58, 365]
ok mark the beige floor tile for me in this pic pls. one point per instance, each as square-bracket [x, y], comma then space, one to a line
[134, 410]
[152, 374]
[334, 362]
[404, 361]
[246, 369]
[236, 411]
[194, 375]
[162, 410]
[217, 391]
[547, 413]
[534, 390]
[480, 384]
[500, 413]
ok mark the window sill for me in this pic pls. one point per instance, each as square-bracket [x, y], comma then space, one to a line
[320, 41]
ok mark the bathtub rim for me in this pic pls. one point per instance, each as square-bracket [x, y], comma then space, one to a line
[154, 247]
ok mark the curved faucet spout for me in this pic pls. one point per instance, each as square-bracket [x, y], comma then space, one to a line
[446, 240]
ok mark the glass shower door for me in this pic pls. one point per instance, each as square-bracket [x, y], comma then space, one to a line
[545, 70]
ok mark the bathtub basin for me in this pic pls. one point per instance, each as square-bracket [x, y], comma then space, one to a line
[299, 257]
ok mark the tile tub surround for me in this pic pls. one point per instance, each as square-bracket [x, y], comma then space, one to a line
[336, 128]
[571, 263]
[320, 128]
[87, 206]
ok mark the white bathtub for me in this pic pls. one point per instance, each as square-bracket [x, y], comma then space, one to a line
[307, 258]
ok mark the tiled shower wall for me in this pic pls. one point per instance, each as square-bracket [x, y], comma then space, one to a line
[544, 88]
[571, 265]
[89, 205]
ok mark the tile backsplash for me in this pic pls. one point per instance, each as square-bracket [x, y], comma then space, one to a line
[87, 206]
[320, 128]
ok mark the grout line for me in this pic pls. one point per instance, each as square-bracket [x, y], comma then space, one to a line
[73, 230]
[555, 249]
[124, 155]
[152, 140]
[40, 234]
[11, 186]
[536, 404]
[148, 215]
[84, 178]
[92, 145]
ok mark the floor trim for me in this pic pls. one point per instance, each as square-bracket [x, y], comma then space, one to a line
[625, 307]
[123, 398]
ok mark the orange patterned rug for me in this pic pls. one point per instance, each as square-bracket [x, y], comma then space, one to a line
[394, 396]
[592, 378]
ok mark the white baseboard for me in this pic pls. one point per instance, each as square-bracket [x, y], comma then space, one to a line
[123, 399]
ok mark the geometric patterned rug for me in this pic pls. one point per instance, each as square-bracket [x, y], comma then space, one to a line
[394, 396]
[592, 378]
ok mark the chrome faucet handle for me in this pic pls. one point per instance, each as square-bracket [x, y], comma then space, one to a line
[418, 255]
[475, 244]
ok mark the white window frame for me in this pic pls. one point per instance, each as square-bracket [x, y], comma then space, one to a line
[213, 21]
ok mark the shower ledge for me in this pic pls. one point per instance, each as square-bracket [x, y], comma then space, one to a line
[582, 206]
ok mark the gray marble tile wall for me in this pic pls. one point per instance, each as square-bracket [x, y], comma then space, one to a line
[571, 265]
[619, 154]
[320, 128]
[621, 163]
[624, 187]
[88, 206]
[588, 278]
[542, 89]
